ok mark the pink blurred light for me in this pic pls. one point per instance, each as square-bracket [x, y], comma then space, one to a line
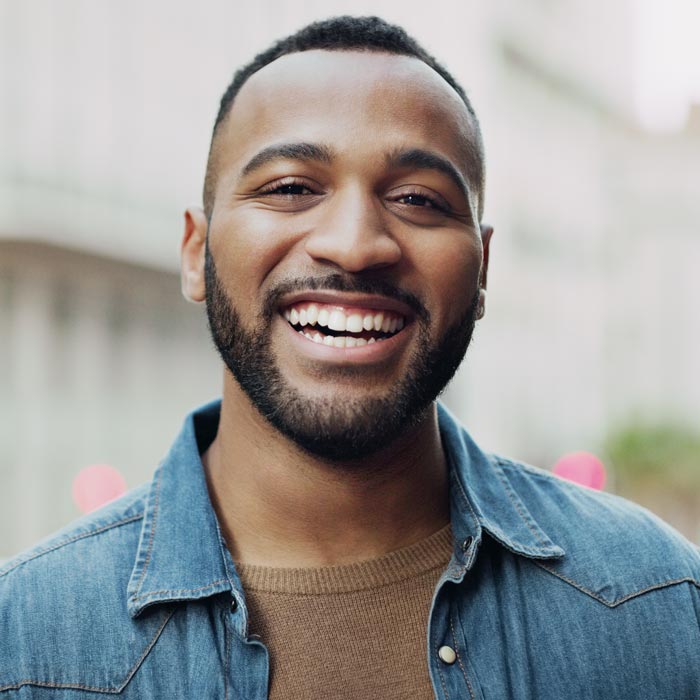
[96, 485]
[582, 468]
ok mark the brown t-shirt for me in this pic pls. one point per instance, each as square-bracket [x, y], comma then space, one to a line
[352, 632]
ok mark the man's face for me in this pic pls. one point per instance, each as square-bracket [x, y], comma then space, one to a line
[344, 256]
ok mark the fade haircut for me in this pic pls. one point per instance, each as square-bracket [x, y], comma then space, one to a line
[371, 34]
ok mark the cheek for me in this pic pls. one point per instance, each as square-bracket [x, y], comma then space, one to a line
[247, 245]
[450, 273]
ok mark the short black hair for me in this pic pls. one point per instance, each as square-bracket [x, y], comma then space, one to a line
[345, 33]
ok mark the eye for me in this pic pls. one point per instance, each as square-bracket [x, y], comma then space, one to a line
[419, 198]
[288, 187]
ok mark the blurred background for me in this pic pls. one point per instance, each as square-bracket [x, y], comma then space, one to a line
[591, 119]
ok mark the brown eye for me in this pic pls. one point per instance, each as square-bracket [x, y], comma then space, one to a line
[287, 187]
[419, 200]
[292, 189]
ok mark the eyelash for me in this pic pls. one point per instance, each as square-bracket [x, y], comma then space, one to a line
[436, 203]
[273, 187]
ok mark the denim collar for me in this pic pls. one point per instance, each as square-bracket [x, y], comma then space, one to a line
[182, 554]
[483, 500]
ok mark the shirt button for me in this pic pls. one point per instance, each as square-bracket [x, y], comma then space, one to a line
[467, 543]
[234, 604]
[447, 654]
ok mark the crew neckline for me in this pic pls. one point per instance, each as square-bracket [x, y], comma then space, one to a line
[391, 568]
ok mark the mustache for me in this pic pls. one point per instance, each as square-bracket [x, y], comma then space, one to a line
[343, 283]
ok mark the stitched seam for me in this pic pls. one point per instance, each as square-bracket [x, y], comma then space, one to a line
[79, 686]
[467, 503]
[459, 659]
[442, 680]
[461, 494]
[434, 644]
[525, 519]
[227, 652]
[75, 538]
[180, 590]
[618, 601]
[147, 650]
[153, 530]
[657, 586]
[66, 686]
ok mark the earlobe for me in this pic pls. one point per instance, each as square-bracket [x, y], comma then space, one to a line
[481, 304]
[486, 233]
[192, 254]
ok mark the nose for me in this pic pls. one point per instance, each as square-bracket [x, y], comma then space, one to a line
[352, 233]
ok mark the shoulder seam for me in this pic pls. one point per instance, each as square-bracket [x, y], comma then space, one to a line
[63, 543]
[17, 685]
[623, 599]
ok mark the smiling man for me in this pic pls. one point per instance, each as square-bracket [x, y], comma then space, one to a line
[327, 530]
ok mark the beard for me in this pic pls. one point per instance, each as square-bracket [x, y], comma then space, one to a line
[337, 429]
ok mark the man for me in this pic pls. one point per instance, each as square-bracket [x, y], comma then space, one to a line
[327, 530]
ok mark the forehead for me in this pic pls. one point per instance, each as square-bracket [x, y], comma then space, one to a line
[353, 101]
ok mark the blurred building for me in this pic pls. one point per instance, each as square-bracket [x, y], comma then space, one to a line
[106, 115]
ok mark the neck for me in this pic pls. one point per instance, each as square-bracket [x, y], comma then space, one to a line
[279, 506]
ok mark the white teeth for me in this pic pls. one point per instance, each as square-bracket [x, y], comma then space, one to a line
[312, 315]
[339, 341]
[337, 320]
[371, 340]
[328, 340]
[350, 342]
[318, 338]
[360, 341]
[354, 323]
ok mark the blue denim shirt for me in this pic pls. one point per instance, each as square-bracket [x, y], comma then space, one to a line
[553, 591]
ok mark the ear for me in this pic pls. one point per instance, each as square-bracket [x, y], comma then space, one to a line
[192, 251]
[486, 233]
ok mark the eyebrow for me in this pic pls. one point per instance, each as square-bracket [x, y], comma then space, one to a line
[421, 159]
[417, 158]
[288, 151]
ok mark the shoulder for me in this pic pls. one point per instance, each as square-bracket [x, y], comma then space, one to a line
[103, 536]
[615, 550]
[68, 593]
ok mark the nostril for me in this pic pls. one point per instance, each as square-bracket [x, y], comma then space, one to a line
[355, 253]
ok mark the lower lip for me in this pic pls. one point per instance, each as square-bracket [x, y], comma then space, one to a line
[364, 354]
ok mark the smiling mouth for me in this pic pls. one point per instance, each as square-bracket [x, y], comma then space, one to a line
[328, 324]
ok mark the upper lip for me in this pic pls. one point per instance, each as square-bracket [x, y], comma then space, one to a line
[348, 300]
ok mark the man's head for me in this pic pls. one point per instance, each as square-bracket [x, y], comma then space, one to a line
[367, 34]
[341, 255]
